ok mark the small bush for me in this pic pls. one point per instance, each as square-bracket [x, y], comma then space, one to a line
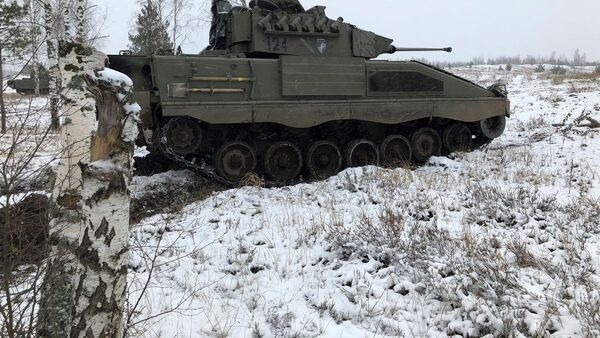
[558, 70]
[597, 70]
[540, 69]
[509, 67]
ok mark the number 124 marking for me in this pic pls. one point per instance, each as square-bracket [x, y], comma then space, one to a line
[276, 44]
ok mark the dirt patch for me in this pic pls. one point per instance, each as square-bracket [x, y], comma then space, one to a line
[169, 198]
[154, 164]
[24, 231]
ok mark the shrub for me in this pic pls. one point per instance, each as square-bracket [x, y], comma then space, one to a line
[540, 69]
[597, 70]
[558, 70]
[509, 67]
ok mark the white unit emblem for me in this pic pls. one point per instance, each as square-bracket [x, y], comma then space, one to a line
[322, 45]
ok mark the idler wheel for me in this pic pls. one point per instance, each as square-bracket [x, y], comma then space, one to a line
[361, 153]
[234, 160]
[283, 161]
[493, 127]
[425, 143]
[184, 135]
[395, 151]
[323, 159]
[457, 137]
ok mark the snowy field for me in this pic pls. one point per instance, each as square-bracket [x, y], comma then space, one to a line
[28, 148]
[500, 242]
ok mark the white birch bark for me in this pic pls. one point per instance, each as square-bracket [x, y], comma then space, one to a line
[34, 43]
[103, 239]
[2, 107]
[56, 304]
[80, 15]
[78, 111]
[103, 251]
[53, 69]
[67, 19]
[92, 182]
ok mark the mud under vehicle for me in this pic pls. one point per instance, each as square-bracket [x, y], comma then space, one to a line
[286, 92]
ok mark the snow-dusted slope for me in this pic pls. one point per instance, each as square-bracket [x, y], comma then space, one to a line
[502, 241]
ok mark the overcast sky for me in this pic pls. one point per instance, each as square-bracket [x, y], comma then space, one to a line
[472, 27]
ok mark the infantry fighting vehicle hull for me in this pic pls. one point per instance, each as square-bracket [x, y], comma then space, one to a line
[26, 86]
[288, 93]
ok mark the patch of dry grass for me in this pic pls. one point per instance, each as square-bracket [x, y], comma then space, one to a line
[512, 235]
[558, 79]
[12, 97]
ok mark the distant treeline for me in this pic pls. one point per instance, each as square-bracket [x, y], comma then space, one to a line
[578, 60]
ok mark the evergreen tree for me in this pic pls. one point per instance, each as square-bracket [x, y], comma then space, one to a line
[151, 35]
[13, 42]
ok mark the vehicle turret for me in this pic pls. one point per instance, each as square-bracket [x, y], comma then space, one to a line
[270, 28]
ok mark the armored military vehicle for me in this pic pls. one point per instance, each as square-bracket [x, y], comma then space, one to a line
[26, 86]
[287, 92]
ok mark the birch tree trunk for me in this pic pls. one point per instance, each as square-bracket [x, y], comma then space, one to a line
[57, 304]
[2, 107]
[175, 17]
[103, 242]
[80, 14]
[34, 43]
[53, 68]
[91, 231]
[66, 19]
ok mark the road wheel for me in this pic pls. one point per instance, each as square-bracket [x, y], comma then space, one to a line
[457, 137]
[395, 151]
[425, 143]
[184, 135]
[283, 162]
[360, 153]
[234, 160]
[323, 159]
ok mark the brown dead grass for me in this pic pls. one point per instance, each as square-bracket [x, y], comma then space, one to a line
[558, 79]
[12, 96]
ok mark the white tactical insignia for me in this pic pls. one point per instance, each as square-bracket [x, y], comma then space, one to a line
[322, 45]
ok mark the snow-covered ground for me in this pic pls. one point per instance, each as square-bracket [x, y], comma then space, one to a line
[504, 241]
[500, 242]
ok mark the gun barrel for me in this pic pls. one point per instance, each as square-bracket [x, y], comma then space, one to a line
[393, 49]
